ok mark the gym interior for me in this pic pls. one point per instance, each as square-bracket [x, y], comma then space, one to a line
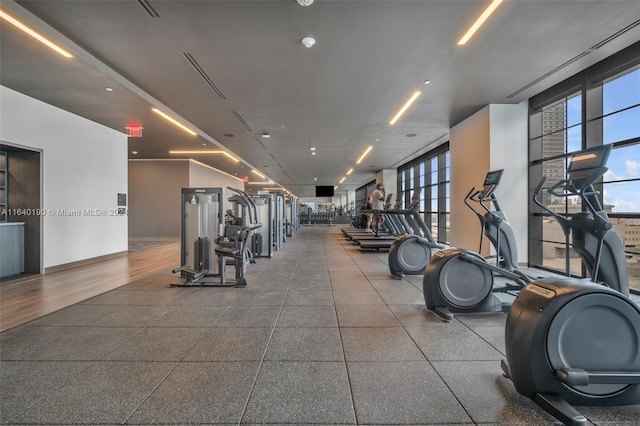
[182, 187]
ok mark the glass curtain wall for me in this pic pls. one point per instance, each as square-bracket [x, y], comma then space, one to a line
[599, 106]
[427, 177]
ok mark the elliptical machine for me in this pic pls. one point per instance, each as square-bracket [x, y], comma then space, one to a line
[572, 341]
[410, 253]
[462, 281]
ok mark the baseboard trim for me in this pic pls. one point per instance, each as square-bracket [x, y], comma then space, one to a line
[84, 262]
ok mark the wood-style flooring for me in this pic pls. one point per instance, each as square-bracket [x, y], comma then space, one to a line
[28, 298]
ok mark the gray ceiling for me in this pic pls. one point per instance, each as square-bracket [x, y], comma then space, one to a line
[338, 96]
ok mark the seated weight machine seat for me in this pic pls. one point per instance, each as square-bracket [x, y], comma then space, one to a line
[239, 254]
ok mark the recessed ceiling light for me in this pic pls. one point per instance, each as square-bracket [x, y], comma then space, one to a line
[305, 2]
[172, 120]
[308, 41]
[313, 153]
[315, 178]
[405, 107]
[427, 82]
[313, 148]
[108, 89]
[266, 135]
[134, 152]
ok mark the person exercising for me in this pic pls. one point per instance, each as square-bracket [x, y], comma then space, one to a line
[377, 200]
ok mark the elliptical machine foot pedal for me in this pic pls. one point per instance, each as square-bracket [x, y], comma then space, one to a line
[443, 313]
[560, 409]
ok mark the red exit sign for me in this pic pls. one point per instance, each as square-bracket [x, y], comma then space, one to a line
[134, 132]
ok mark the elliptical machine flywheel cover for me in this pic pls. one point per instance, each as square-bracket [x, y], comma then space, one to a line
[566, 322]
[454, 282]
[409, 255]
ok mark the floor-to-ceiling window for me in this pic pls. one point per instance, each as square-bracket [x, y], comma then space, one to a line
[601, 105]
[426, 178]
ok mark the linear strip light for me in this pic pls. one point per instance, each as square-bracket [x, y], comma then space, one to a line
[364, 154]
[206, 152]
[405, 107]
[342, 180]
[476, 25]
[166, 117]
[350, 171]
[34, 34]
[257, 173]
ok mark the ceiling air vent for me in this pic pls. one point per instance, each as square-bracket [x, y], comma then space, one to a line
[582, 55]
[241, 120]
[261, 144]
[196, 66]
[148, 8]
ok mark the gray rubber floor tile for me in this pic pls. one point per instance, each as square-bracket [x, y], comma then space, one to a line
[18, 342]
[310, 297]
[402, 393]
[305, 344]
[414, 315]
[306, 285]
[452, 341]
[487, 396]
[211, 296]
[483, 319]
[307, 316]
[302, 274]
[157, 344]
[346, 275]
[276, 275]
[352, 298]
[301, 392]
[165, 296]
[231, 344]
[85, 344]
[388, 284]
[379, 344]
[271, 286]
[133, 316]
[104, 393]
[406, 296]
[76, 315]
[251, 297]
[492, 335]
[23, 383]
[358, 284]
[366, 316]
[620, 415]
[248, 316]
[190, 316]
[199, 393]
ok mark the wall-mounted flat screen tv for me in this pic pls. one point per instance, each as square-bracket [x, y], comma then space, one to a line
[324, 191]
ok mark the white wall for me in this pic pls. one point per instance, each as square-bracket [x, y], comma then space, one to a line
[493, 138]
[84, 168]
[509, 142]
[469, 145]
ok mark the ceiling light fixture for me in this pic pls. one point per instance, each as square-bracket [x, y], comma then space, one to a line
[350, 171]
[342, 180]
[266, 135]
[405, 107]
[308, 41]
[305, 2]
[313, 148]
[364, 154]
[313, 153]
[255, 172]
[206, 152]
[108, 89]
[476, 25]
[427, 82]
[34, 34]
[166, 117]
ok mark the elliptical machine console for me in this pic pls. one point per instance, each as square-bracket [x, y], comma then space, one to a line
[572, 341]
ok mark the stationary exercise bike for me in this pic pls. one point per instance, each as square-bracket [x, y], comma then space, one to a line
[462, 281]
[573, 341]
